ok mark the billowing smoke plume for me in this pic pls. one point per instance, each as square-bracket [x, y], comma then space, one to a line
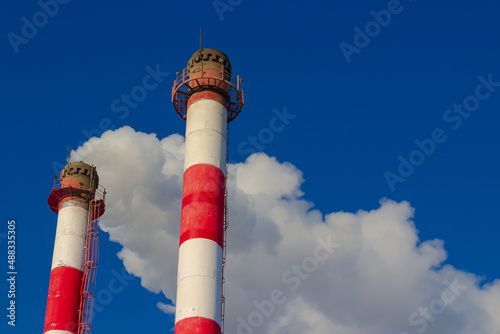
[291, 269]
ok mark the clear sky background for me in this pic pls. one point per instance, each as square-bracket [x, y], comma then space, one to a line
[373, 112]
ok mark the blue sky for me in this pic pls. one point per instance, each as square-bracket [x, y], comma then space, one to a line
[353, 117]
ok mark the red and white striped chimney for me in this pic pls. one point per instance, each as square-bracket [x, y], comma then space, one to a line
[207, 99]
[70, 199]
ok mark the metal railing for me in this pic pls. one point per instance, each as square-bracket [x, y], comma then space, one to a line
[90, 266]
[183, 85]
[225, 226]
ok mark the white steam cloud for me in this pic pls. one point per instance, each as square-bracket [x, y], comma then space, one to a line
[166, 308]
[291, 269]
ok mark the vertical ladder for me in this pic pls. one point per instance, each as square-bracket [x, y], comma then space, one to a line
[225, 226]
[90, 264]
